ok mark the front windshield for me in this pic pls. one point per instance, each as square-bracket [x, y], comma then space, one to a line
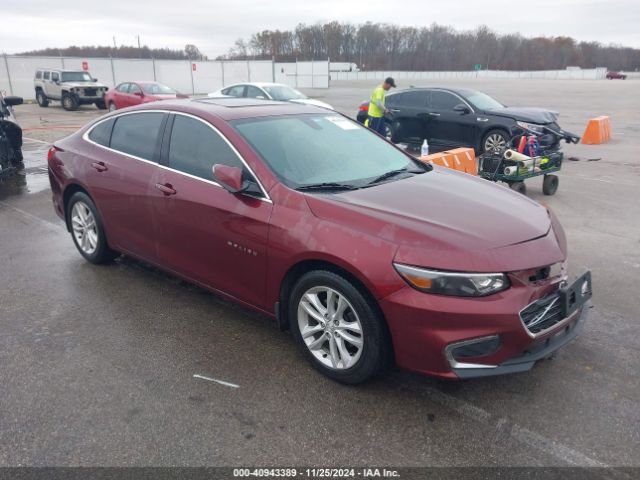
[284, 93]
[316, 149]
[76, 77]
[482, 101]
[157, 89]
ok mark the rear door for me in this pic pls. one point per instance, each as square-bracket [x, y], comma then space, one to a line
[447, 128]
[120, 178]
[120, 95]
[408, 114]
[235, 91]
[206, 233]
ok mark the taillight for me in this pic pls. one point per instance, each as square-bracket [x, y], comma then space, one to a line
[52, 151]
[364, 108]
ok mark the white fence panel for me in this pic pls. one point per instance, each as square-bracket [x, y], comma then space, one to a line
[207, 77]
[125, 70]
[286, 73]
[261, 71]
[175, 74]
[235, 72]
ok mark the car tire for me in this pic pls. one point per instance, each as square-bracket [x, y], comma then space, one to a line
[519, 187]
[41, 98]
[495, 140]
[112, 107]
[350, 347]
[101, 105]
[69, 102]
[87, 230]
[550, 184]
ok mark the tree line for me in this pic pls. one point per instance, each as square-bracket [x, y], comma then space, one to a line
[379, 46]
[190, 52]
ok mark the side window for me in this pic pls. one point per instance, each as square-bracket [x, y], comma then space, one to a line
[254, 92]
[195, 148]
[123, 88]
[416, 98]
[134, 89]
[137, 134]
[39, 74]
[46, 76]
[237, 91]
[443, 101]
[101, 133]
[55, 76]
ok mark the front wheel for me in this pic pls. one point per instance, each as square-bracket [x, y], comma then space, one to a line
[69, 102]
[87, 230]
[495, 141]
[340, 332]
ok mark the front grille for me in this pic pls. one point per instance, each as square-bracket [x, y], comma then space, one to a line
[90, 92]
[542, 314]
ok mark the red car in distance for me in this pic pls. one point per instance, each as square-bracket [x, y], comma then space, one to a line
[616, 76]
[366, 254]
[128, 94]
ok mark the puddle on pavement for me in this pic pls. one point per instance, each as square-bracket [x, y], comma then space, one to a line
[33, 177]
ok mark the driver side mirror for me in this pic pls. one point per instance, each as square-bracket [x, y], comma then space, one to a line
[139, 94]
[95, 79]
[12, 101]
[230, 178]
[462, 109]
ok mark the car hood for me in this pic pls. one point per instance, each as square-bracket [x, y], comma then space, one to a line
[312, 101]
[533, 115]
[449, 220]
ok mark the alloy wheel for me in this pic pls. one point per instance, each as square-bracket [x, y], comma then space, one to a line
[85, 230]
[330, 328]
[495, 143]
[112, 107]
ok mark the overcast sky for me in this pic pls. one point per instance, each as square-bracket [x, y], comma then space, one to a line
[213, 25]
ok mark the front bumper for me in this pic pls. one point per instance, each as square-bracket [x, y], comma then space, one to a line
[536, 352]
[425, 327]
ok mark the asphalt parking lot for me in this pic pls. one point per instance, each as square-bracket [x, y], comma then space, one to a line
[98, 363]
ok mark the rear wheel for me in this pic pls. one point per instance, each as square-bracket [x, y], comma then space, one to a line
[550, 184]
[495, 141]
[41, 98]
[87, 230]
[339, 331]
[69, 102]
[112, 107]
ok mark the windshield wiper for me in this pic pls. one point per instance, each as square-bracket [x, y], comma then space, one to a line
[327, 186]
[393, 173]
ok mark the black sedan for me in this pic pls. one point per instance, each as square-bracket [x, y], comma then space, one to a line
[450, 118]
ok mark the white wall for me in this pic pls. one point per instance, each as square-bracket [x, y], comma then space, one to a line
[586, 74]
[208, 76]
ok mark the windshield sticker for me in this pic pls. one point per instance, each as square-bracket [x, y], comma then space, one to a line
[343, 123]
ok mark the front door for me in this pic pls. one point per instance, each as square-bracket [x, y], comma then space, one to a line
[446, 127]
[206, 233]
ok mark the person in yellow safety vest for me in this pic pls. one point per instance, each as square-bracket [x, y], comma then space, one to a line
[376, 106]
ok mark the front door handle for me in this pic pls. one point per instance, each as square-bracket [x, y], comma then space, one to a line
[166, 188]
[99, 166]
[434, 114]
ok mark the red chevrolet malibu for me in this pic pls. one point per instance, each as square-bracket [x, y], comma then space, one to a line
[129, 94]
[367, 255]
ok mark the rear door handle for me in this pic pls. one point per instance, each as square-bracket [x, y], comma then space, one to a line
[434, 114]
[394, 110]
[166, 188]
[99, 166]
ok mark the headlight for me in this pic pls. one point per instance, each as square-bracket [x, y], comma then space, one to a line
[453, 283]
[532, 127]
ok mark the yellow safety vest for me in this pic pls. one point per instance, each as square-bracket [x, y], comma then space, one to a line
[377, 95]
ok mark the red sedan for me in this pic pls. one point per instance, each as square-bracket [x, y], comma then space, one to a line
[616, 76]
[128, 94]
[366, 254]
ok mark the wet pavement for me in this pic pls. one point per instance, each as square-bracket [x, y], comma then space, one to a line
[125, 365]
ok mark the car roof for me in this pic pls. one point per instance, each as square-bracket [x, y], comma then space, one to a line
[233, 108]
[259, 84]
[458, 91]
